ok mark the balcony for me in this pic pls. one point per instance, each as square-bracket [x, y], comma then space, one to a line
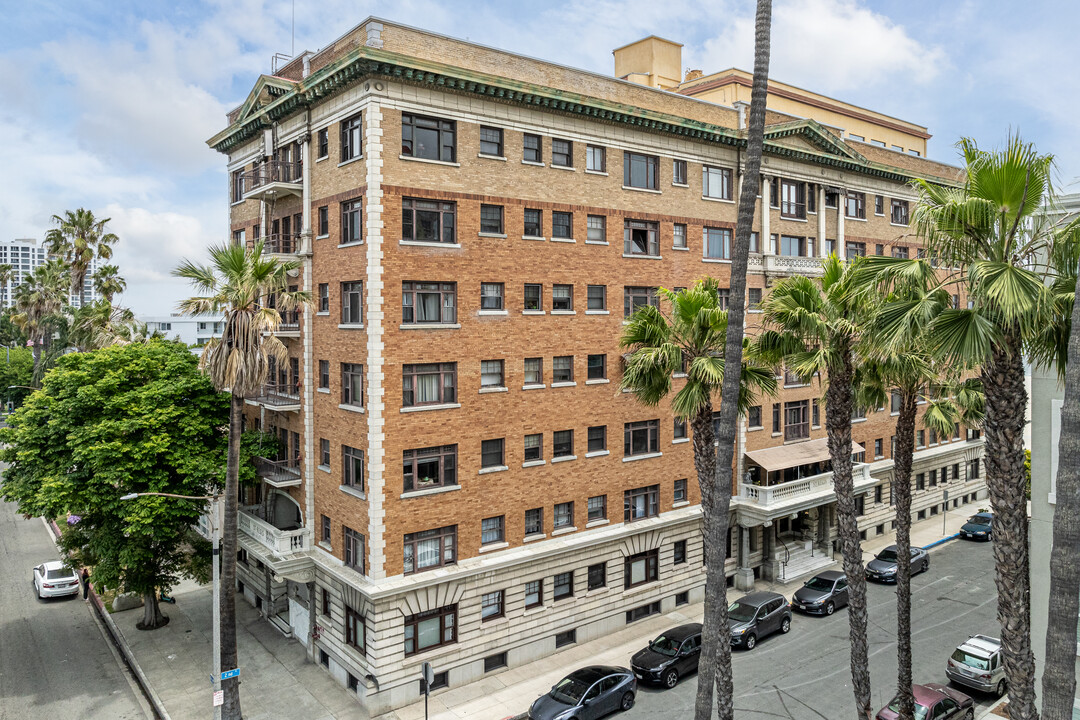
[289, 327]
[279, 541]
[280, 397]
[273, 180]
[278, 473]
[767, 502]
[792, 265]
[282, 243]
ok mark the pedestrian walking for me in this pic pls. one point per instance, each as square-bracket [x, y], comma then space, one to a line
[85, 583]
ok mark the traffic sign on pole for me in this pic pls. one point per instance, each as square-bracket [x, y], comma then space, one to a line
[235, 672]
[219, 698]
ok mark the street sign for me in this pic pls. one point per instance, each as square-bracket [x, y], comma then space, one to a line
[946, 495]
[235, 672]
[219, 697]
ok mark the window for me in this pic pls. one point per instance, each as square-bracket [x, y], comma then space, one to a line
[491, 219]
[776, 417]
[324, 221]
[352, 467]
[562, 225]
[920, 438]
[831, 198]
[597, 508]
[641, 438]
[491, 530]
[879, 249]
[679, 552]
[595, 158]
[899, 212]
[792, 246]
[641, 503]
[598, 438]
[324, 374]
[491, 374]
[533, 296]
[796, 420]
[562, 153]
[678, 431]
[325, 537]
[879, 448]
[564, 515]
[920, 481]
[563, 587]
[562, 369]
[492, 605]
[641, 568]
[534, 371]
[718, 243]
[534, 593]
[855, 205]
[755, 242]
[933, 436]
[682, 598]
[351, 216]
[562, 297]
[641, 238]
[716, 182]
[753, 298]
[354, 629]
[534, 521]
[491, 141]
[597, 367]
[430, 548]
[879, 205]
[753, 417]
[352, 384]
[428, 302]
[596, 229]
[430, 629]
[532, 148]
[492, 453]
[428, 384]
[680, 236]
[562, 445]
[534, 447]
[678, 172]
[635, 298]
[351, 138]
[597, 576]
[680, 491]
[855, 249]
[428, 220]
[640, 171]
[354, 550]
[496, 661]
[431, 467]
[815, 412]
[973, 469]
[428, 138]
[792, 199]
[352, 303]
[322, 140]
[324, 297]
[597, 297]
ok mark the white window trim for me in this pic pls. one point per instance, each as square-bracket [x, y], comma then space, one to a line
[597, 312]
[571, 383]
[564, 312]
[424, 243]
[351, 408]
[598, 381]
[410, 158]
[492, 312]
[534, 386]
[537, 238]
[647, 456]
[564, 458]
[350, 326]
[494, 389]
[597, 453]
[643, 256]
[491, 235]
[644, 190]
[492, 469]
[533, 463]
[424, 408]
[429, 491]
[534, 312]
[429, 326]
[491, 157]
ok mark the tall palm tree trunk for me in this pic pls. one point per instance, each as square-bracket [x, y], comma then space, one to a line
[715, 623]
[901, 497]
[1059, 672]
[1006, 401]
[231, 709]
[838, 405]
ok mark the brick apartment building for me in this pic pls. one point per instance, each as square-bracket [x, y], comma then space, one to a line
[463, 481]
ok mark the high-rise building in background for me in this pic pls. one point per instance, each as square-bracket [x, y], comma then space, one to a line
[24, 255]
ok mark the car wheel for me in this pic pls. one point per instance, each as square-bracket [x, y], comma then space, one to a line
[627, 701]
[671, 678]
[1001, 688]
[970, 714]
[830, 608]
[926, 565]
[750, 641]
[785, 625]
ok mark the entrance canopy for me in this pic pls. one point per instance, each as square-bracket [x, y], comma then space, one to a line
[789, 456]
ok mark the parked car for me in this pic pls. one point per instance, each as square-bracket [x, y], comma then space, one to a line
[977, 664]
[588, 693]
[55, 579]
[670, 656]
[883, 567]
[978, 526]
[822, 594]
[933, 701]
[757, 615]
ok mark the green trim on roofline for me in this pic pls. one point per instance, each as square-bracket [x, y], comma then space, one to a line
[365, 62]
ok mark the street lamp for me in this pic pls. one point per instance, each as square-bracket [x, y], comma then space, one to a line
[215, 539]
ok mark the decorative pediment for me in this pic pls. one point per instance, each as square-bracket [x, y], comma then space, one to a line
[268, 88]
[809, 136]
[431, 598]
[641, 542]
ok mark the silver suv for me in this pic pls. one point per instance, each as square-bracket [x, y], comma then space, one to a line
[977, 664]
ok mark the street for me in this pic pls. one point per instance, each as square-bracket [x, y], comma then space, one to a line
[806, 673]
[54, 661]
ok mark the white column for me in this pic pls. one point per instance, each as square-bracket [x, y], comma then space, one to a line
[308, 373]
[822, 252]
[766, 237]
[841, 251]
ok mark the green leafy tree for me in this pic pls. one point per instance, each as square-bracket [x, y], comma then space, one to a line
[39, 303]
[78, 239]
[16, 374]
[11, 335]
[124, 419]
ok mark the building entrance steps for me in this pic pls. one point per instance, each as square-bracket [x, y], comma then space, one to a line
[801, 563]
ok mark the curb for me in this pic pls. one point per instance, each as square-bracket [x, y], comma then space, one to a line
[121, 645]
[942, 541]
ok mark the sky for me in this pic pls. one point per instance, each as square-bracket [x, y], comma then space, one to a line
[107, 104]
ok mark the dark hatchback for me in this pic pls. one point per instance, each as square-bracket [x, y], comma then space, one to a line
[822, 594]
[978, 526]
[670, 656]
[933, 701]
[586, 694]
[756, 615]
[883, 567]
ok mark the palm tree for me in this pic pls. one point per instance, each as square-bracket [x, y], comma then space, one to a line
[107, 282]
[101, 324]
[818, 331]
[79, 238]
[39, 302]
[691, 339]
[237, 284]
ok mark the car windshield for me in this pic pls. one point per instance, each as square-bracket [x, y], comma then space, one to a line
[819, 584]
[972, 661]
[665, 646]
[569, 690]
[58, 574]
[887, 555]
[920, 710]
[741, 612]
[979, 520]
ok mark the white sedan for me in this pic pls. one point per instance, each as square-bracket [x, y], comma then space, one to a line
[54, 579]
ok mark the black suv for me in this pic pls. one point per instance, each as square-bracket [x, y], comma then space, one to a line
[756, 615]
[670, 656]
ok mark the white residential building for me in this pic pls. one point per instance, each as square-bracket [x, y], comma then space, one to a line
[188, 329]
[24, 255]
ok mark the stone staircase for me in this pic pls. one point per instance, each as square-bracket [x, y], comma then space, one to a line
[802, 563]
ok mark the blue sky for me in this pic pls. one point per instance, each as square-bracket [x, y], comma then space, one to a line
[107, 104]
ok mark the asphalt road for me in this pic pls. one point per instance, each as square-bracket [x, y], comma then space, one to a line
[54, 661]
[806, 675]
